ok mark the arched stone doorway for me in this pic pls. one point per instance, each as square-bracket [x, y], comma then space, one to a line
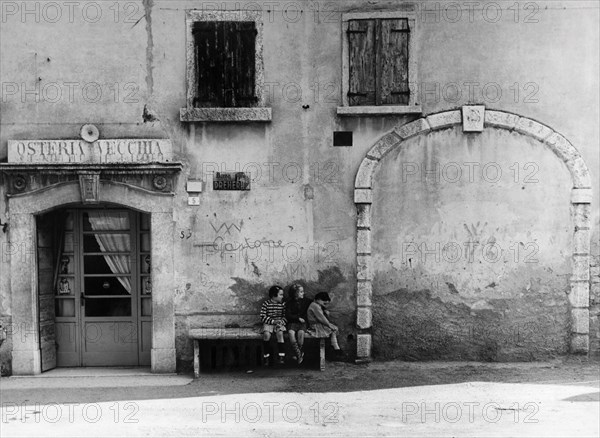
[23, 208]
[580, 199]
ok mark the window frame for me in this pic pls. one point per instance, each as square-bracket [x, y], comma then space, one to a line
[413, 103]
[257, 112]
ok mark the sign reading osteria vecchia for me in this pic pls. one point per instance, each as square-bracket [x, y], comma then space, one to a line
[100, 151]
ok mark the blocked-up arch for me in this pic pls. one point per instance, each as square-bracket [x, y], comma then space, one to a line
[23, 273]
[581, 197]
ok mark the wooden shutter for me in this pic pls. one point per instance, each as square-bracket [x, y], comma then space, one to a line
[206, 38]
[243, 45]
[225, 63]
[361, 62]
[392, 62]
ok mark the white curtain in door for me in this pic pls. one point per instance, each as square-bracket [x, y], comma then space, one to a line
[112, 221]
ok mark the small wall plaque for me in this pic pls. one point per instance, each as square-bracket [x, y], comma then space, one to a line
[473, 116]
[89, 183]
[231, 181]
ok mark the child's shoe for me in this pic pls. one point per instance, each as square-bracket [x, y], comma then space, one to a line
[300, 358]
[266, 361]
[281, 360]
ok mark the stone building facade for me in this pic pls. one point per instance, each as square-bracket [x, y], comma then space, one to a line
[432, 165]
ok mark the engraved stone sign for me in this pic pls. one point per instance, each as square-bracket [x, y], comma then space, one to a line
[79, 151]
[473, 118]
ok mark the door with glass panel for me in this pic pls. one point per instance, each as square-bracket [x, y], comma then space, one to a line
[103, 302]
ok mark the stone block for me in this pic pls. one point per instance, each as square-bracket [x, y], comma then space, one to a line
[581, 241]
[363, 346]
[473, 117]
[579, 295]
[581, 215]
[363, 242]
[581, 268]
[364, 215]
[561, 146]
[500, 119]
[163, 360]
[579, 173]
[364, 293]
[384, 145]
[445, 119]
[364, 176]
[363, 267]
[580, 321]
[533, 128]
[364, 317]
[419, 126]
[363, 196]
[595, 293]
[580, 344]
[581, 196]
[594, 272]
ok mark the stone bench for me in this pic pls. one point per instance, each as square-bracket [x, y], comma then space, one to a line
[238, 333]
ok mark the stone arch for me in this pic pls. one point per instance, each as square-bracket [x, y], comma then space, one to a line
[581, 198]
[22, 209]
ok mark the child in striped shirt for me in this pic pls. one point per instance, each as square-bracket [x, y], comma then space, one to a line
[272, 315]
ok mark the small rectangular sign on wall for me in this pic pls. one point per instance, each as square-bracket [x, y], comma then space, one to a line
[231, 181]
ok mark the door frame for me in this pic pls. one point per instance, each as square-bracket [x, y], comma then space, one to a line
[22, 208]
[77, 324]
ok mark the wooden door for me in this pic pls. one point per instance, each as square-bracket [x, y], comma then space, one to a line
[102, 319]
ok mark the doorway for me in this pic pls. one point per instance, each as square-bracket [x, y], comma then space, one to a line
[95, 287]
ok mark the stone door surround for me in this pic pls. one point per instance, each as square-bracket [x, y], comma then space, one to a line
[22, 208]
[581, 198]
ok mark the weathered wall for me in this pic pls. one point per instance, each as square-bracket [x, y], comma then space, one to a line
[300, 207]
[472, 240]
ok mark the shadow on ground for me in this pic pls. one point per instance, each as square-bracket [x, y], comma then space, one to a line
[338, 377]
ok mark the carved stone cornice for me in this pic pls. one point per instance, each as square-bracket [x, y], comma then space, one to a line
[157, 178]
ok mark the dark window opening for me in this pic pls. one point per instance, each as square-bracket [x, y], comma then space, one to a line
[225, 63]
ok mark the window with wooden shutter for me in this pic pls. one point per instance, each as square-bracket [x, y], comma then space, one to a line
[361, 44]
[378, 60]
[225, 63]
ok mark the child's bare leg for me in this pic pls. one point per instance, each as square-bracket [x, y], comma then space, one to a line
[295, 346]
[300, 338]
[280, 348]
[292, 336]
[266, 347]
[334, 341]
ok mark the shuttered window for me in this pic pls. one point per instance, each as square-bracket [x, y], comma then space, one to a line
[225, 63]
[378, 62]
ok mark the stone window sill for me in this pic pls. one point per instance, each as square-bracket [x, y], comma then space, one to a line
[261, 114]
[383, 110]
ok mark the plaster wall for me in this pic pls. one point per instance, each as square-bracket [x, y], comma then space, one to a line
[471, 261]
[298, 222]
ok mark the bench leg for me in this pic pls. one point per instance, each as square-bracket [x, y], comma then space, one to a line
[196, 358]
[322, 354]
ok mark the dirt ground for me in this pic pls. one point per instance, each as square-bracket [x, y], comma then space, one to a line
[346, 377]
[555, 398]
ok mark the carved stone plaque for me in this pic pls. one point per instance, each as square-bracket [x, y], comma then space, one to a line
[89, 183]
[473, 118]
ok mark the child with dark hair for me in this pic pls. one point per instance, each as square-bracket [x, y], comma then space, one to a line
[295, 313]
[272, 315]
[319, 325]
